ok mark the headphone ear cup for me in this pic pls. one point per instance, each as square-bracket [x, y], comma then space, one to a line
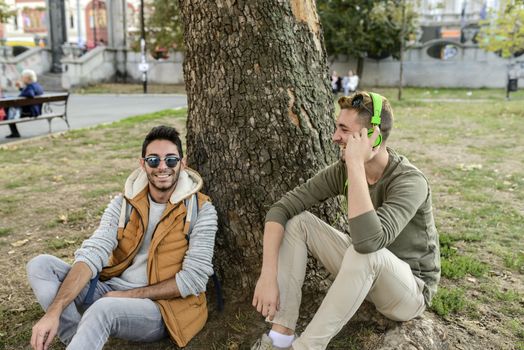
[378, 141]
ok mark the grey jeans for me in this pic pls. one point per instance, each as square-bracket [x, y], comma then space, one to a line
[126, 318]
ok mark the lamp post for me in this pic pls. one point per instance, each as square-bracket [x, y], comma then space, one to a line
[143, 66]
[94, 23]
[402, 48]
[56, 26]
[78, 23]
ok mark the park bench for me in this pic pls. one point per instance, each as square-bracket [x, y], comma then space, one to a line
[53, 106]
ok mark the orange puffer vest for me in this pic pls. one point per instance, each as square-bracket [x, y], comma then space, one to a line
[183, 317]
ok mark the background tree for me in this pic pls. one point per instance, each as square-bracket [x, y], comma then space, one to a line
[164, 28]
[5, 12]
[165, 25]
[505, 35]
[260, 115]
[362, 28]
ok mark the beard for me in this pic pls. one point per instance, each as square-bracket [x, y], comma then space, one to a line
[164, 186]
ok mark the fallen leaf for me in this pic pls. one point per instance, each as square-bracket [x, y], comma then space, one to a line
[19, 243]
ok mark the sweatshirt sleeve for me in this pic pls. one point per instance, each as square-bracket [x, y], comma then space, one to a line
[326, 184]
[198, 265]
[28, 92]
[96, 250]
[378, 228]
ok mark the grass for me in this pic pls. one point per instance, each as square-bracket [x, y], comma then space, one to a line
[472, 95]
[59, 243]
[476, 172]
[5, 231]
[112, 88]
[448, 301]
[514, 261]
[460, 266]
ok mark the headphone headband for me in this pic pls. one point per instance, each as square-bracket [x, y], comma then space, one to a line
[375, 119]
[377, 108]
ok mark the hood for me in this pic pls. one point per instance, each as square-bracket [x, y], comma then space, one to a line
[189, 182]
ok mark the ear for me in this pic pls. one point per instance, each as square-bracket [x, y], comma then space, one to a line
[183, 163]
[142, 163]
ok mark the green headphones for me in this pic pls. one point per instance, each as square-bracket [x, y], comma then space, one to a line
[375, 119]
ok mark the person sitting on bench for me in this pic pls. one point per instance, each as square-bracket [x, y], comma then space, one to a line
[28, 88]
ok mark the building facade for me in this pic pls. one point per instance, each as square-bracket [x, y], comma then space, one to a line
[86, 22]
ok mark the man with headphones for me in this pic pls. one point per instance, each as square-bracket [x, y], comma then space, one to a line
[391, 256]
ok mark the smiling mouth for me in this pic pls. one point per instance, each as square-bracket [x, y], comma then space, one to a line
[163, 176]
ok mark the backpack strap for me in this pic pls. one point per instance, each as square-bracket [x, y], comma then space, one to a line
[88, 300]
[192, 214]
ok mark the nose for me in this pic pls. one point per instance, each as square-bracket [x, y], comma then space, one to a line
[162, 164]
[336, 136]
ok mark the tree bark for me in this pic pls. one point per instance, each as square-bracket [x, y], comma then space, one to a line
[261, 115]
[260, 123]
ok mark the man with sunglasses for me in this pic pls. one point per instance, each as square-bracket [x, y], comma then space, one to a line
[138, 277]
[391, 256]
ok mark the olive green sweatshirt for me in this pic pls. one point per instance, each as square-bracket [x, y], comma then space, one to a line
[401, 222]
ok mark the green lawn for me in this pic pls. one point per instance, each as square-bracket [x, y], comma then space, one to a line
[54, 189]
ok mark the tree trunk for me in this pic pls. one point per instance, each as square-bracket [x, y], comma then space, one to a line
[260, 123]
[261, 116]
[360, 67]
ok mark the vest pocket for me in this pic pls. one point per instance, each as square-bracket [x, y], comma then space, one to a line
[172, 246]
[197, 300]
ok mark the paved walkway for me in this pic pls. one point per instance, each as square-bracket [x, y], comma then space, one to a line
[89, 110]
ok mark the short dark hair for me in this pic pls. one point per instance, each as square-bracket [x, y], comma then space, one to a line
[163, 132]
[365, 113]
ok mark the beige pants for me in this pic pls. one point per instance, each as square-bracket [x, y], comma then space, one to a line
[379, 277]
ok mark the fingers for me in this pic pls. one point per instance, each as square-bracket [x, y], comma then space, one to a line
[40, 340]
[258, 305]
[273, 308]
[267, 309]
[374, 136]
[33, 339]
[271, 312]
[49, 340]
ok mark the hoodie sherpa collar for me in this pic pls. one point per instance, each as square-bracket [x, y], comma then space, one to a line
[189, 182]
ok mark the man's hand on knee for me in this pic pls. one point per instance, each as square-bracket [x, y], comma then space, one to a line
[44, 331]
[266, 297]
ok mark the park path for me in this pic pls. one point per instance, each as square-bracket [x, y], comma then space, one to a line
[93, 109]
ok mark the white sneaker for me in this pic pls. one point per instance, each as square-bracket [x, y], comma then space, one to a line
[265, 343]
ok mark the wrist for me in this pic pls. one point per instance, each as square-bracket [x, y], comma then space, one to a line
[54, 311]
[354, 166]
[268, 272]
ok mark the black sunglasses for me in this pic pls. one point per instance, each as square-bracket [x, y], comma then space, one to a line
[154, 161]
